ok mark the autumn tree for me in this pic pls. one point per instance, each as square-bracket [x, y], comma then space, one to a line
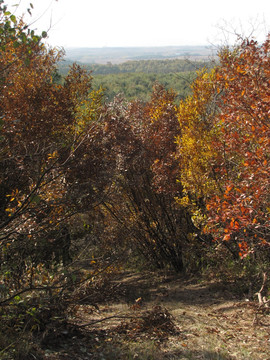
[242, 210]
[224, 148]
[46, 162]
[139, 206]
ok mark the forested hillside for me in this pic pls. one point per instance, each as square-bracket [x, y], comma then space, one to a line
[149, 66]
[95, 185]
[139, 86]
[135, 79]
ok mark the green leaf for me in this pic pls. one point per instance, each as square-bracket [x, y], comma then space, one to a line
[44, 34]
[24, 38]
[36, 38]
[7, 13]
[13, 19]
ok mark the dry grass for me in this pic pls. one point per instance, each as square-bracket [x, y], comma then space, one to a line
[205, 321]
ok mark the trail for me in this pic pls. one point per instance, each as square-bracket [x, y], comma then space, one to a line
[211, 322]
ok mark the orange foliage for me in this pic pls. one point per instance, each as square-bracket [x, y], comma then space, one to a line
[225, 152]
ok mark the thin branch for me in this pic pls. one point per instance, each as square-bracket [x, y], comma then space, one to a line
[108, 318]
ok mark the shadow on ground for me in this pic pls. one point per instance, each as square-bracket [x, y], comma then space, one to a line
[101, 345]
[171, 288]
[208, 322]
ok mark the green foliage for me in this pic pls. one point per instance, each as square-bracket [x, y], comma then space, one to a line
[148, 67]
[134, 86]
[135, 79]
[14, 31]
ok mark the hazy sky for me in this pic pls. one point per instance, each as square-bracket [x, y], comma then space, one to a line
[99, 23]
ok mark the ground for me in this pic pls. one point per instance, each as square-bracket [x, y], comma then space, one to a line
[165, 316]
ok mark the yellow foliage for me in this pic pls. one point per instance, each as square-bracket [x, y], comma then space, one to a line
[88, 110]
[197, 133]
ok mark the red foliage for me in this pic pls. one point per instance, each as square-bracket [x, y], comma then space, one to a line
[242, 208]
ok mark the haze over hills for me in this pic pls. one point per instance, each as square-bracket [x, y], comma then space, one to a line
[116, 55]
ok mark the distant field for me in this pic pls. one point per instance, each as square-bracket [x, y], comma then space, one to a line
[119, 55]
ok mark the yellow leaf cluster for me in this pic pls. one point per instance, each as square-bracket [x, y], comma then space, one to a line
[195, 142]
[88, 110]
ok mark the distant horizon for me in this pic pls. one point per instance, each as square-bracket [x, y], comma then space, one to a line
[116, 55]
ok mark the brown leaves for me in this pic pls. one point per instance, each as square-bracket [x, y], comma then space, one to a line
[157, 322]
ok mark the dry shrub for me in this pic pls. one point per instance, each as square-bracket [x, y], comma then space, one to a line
[98, 289]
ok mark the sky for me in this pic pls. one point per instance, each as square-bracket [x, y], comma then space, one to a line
[129, 23]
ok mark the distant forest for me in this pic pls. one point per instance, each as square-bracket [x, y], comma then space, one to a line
[135, 79]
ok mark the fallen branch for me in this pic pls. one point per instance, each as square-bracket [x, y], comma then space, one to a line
[108, 318]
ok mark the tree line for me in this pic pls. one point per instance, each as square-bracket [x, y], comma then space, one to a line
[142, 66]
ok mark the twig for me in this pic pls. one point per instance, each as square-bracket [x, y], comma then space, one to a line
[262, 300]
[108, 318]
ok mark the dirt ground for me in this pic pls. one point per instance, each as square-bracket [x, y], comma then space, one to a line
[150, 316]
